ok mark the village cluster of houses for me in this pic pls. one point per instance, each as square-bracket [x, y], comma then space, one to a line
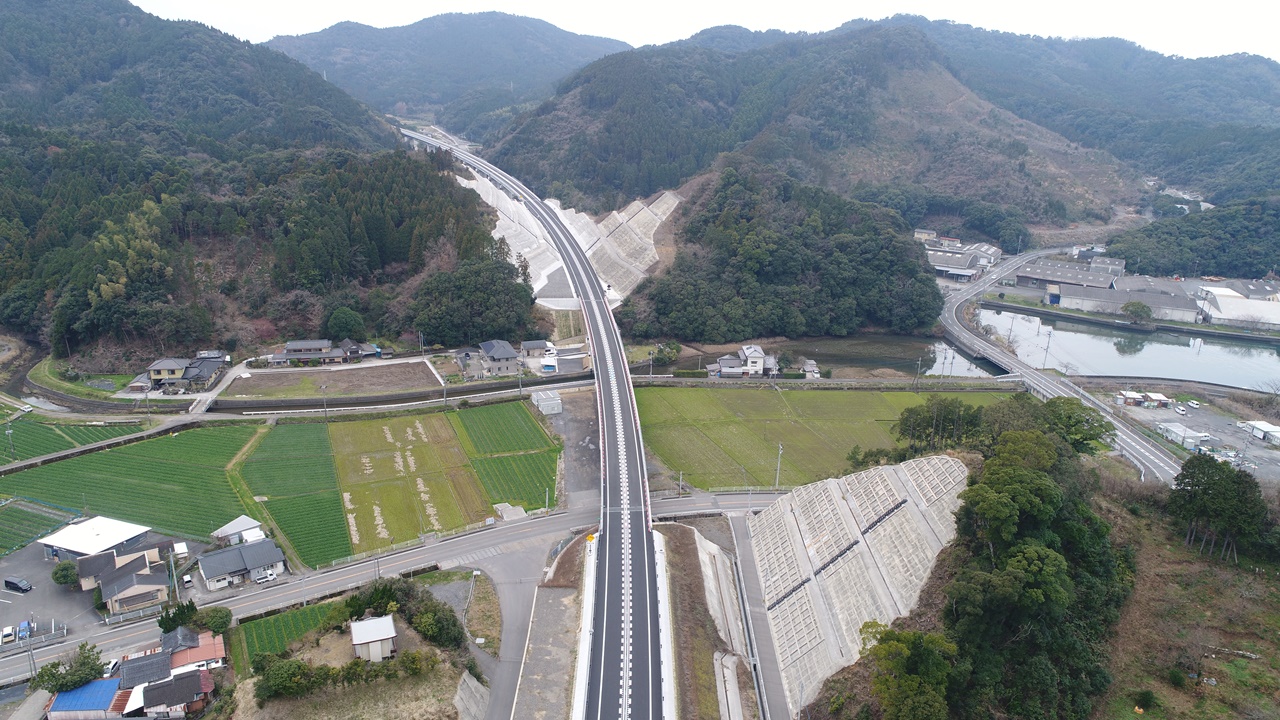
[171, 680]
[132, 569]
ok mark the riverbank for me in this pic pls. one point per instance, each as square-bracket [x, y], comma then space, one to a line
[1041, 310]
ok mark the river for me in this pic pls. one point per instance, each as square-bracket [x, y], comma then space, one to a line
[1076, 348]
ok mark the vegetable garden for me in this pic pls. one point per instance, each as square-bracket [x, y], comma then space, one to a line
[274, 634]
[176, 483]
[19, 526]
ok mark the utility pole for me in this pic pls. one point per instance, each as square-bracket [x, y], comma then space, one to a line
[324, 398]
[650, 363]
[1048, 340]
[777, 476]
[9, 431]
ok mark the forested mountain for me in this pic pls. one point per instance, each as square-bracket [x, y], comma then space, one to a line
[767, 256]
[164, 187]
[874, 106]
[733, 38]
[114, 72]
[1240, 240]
[466, 67]
[1210, 123]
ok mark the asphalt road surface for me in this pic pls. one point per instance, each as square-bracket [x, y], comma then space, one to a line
[1152, 460]
[625, 676]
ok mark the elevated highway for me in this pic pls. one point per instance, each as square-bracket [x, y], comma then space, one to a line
[625, 674]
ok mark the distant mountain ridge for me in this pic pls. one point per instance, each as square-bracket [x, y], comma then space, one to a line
[869, 106]
[1208, 123]
[113, 71]
[463, 65]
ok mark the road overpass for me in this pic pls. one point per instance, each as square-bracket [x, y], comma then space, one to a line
[625, 673]
[1152, 460]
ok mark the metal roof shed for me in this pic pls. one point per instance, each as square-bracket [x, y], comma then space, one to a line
[92, 536]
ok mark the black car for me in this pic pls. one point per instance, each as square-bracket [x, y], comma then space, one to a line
[17, 584]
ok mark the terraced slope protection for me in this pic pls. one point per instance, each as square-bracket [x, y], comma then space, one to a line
[835, 554]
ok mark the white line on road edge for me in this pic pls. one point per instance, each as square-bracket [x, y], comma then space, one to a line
[582, 673]
[666, 641]
[528, 640]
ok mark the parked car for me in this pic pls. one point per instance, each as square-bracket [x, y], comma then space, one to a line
[1180, 410]
[110, 667]
[7, 635]
[25, 629]
[17, 584]
[267, 577]
[26, 408]
[187, 581]
[1193, 404]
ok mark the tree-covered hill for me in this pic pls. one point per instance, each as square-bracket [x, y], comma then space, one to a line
[766, 256]
[1211, 123]
[870, 106]
[1239, 239]
[114, 72]
[464, 66]
[164, 188]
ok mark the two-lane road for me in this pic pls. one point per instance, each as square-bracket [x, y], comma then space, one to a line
[625, 673]
[1151, 459]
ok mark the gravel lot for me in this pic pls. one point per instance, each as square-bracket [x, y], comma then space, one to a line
[1222, 426]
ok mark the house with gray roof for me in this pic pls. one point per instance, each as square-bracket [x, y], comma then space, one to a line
[304, 351]
[196, 374]
[177, 696]
[144, 669]
[241, 563]
[499, 358]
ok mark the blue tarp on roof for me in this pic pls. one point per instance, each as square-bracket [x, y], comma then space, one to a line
[96, 695]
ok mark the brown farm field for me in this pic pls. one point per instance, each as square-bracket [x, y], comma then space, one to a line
[341, 381]
[405, 476]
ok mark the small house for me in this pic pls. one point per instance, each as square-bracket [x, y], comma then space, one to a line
[374, 639]
[499, 358]
[1155, 400]
[177, 696]
[233, 533]
[358, 350]
[207, 651]
[241, 563]
[144, 669]
[305, 351]
[536, 348]
[1130, 398]
[94, 701]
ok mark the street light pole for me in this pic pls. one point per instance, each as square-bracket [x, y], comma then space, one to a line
[777, 476]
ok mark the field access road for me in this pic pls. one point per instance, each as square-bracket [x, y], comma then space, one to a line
[625, 673]
[1151, 459]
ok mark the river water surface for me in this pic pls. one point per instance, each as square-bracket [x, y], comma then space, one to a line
[1076, 348]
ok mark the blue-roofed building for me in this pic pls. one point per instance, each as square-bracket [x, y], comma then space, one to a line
[87, 702]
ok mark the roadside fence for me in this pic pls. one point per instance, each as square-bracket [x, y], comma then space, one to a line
[132, 615]
[35, 641]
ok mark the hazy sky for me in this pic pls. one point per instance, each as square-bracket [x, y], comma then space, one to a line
[1173, 27]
